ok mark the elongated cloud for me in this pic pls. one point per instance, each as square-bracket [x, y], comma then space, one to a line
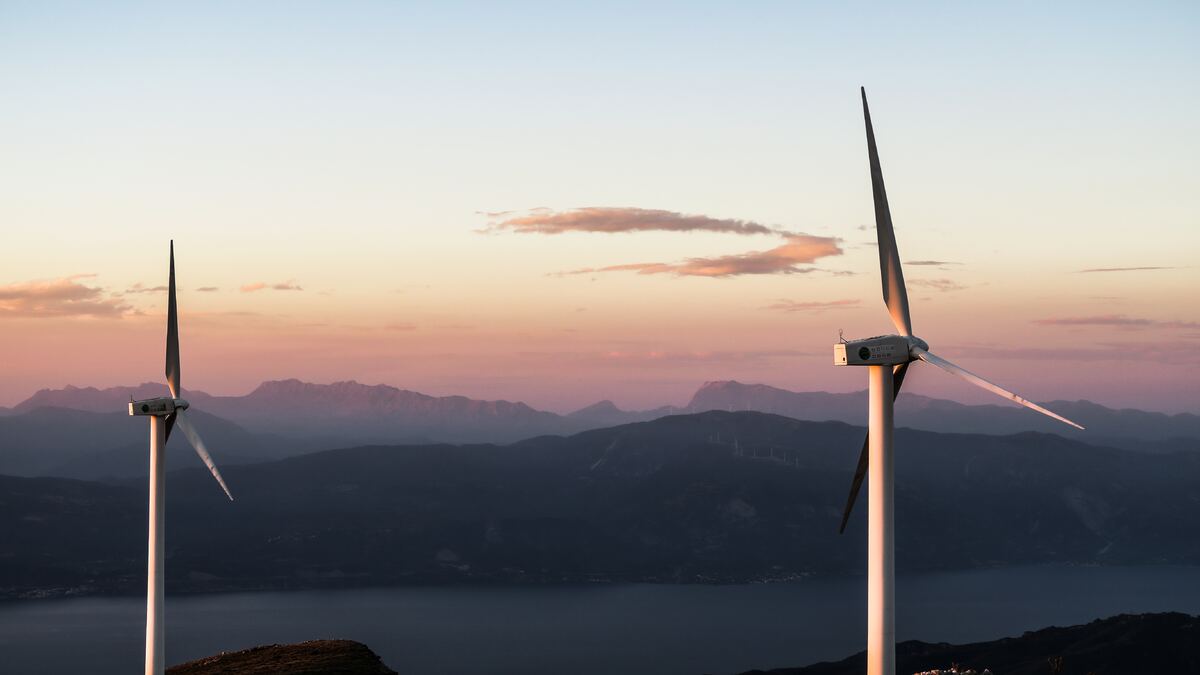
[942, 285]
[800, 249]
[930, 263]
[1123, 269]
[623, 219]
[263, 286]
[1115, 320]
[141, 288]
[815, 306]
[58, 298]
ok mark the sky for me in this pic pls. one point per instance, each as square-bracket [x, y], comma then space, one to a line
[562, 202]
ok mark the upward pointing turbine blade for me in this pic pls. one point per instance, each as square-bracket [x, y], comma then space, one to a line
[198, 444]
[172, 331]
[172, 341]
[864, 457]
[990, 386]
[895, 296]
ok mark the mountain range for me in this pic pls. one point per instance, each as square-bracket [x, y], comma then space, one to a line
[708, 497]
[82, 432]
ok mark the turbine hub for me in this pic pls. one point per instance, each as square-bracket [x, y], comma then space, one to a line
[914, 341]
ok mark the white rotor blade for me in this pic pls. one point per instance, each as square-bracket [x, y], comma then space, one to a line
[895, 296]
[980, 382]
[198, 444]
[172, 332]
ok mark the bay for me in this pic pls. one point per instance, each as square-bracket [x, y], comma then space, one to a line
[589, 630]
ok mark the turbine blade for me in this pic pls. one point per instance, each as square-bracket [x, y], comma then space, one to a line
[198, 444]
[864, 457]
[980, 382]
[895, 295]
[172, 332]
[170, 420]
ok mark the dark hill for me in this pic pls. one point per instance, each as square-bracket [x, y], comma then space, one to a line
[1127, 644]
[713, 497]
[316, 657]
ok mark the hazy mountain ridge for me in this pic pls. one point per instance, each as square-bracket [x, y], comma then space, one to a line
[107, 400]
[382, 407]
[288, 417]
[712, 497]
[345, 412]
[90, 445]
[1124, 427]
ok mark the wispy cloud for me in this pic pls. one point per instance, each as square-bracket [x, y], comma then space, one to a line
[930, 263]
[942, 285]
[653, 358]
[208, 289]
[621, 219]
[139, 288]
[263, 286]
[1140, 351]
[800, 249]
[815, 306]
[1123, 269]
[1115, 320]
[59, 298]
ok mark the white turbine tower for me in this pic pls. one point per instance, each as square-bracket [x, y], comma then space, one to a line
[887, 358]
[164, 413]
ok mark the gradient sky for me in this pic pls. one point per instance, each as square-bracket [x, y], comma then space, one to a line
[351, 188]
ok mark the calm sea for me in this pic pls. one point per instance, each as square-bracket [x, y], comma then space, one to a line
[638, 628]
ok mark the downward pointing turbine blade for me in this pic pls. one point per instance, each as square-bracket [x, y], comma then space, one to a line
[895, 296]
[172, 332]
[864, 457]
[980, 382]
[198, 444]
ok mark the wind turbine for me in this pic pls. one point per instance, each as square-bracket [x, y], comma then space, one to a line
[165, 413]
[887, 358]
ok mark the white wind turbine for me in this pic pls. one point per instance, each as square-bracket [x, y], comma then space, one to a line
[164, 413]
[887, 358]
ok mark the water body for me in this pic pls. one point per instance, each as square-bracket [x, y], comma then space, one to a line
[602, 629]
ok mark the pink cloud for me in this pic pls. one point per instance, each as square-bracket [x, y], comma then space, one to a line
[622, 219]
[58, 298]
[800, 249]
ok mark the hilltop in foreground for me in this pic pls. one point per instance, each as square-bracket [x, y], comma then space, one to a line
[1126, 644]
[318, 657]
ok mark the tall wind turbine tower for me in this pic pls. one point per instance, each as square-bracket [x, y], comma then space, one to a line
[887, 358]
[164, 414]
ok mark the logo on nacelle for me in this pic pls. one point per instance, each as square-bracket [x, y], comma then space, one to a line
[864, 353]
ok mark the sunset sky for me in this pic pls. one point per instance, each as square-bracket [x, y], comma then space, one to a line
[559, 205]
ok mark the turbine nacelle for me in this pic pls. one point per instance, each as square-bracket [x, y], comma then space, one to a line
[882, 350]
[157, 407]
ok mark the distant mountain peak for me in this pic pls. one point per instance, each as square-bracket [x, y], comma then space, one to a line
[604, 407]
